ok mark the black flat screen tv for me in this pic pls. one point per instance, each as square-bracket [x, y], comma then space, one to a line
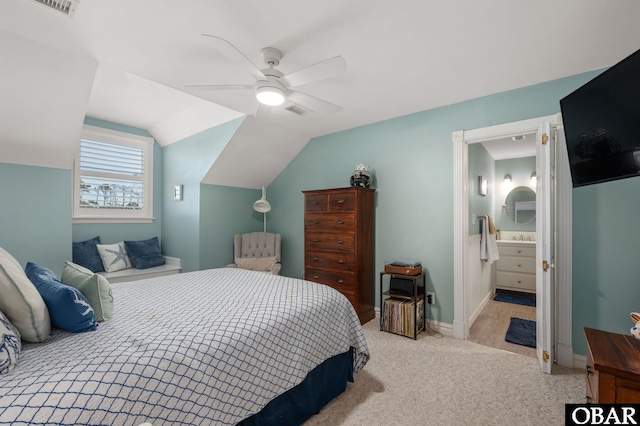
[602, 125]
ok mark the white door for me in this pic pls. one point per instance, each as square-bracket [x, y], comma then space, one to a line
[544, 246]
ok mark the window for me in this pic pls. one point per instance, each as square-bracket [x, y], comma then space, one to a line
[113, 177]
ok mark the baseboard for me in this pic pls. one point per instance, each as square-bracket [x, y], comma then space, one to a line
[580, 361]
[565, 356]
[478, 311]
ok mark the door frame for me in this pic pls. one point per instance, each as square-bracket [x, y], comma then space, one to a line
[563, 223]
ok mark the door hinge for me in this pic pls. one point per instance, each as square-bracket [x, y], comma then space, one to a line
[545, 356]
[545, 138]
[545, 265]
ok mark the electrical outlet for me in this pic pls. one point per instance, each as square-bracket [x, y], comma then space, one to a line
[431, 298]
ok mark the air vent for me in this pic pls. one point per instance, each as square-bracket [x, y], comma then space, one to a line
[298, 110]
[68, 7]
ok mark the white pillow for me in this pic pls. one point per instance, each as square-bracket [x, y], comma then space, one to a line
[264, 264]
[21, 302]
[114, 256]
[10, 345]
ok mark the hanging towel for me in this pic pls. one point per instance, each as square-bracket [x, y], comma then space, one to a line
[492, 227]
[488, 245]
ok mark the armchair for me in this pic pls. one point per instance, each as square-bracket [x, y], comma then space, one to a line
[257, 251]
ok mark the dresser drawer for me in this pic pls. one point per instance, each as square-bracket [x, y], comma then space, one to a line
[329, 260]
[315, 203]
[330, 222]
[342, 281]
[342, 202]
[516, 281]
[517, 264]
[328, 241]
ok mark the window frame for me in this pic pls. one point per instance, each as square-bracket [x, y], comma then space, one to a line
[144, 215]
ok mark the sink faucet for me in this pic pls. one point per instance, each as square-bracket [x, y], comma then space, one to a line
[521, 238]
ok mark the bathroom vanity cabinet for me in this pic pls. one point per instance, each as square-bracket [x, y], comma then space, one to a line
[516, 268]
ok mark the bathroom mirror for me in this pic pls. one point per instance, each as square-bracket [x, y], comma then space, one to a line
[520, 204]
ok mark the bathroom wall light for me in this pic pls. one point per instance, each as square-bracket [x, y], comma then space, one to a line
[483, 185]
[507, 180]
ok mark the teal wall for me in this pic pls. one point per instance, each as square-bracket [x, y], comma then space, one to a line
[224, 212]
[520, 170]
[480, 164]
[606, 257]
[113, 232]
[35, 214]
[186, 163]
[413, 159]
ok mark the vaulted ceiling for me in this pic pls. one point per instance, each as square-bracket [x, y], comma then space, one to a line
[129, 61]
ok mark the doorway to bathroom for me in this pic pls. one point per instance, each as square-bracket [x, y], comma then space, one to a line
[501, 292]
[553, 310]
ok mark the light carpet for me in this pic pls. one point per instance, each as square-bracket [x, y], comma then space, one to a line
[444, 381]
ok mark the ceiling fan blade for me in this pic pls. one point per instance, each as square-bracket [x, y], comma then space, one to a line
[230, 51]
[312, 103]
[315, 72]
[212, 87]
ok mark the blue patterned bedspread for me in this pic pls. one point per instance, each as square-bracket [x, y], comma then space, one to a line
[207, 347]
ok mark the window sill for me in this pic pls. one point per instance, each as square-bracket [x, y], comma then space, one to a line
[77, 220]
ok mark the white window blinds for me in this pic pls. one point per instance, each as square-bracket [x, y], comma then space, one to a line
[113, 177]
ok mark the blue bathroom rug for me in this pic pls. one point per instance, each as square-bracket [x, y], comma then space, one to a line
[521, 332]
[515, 298]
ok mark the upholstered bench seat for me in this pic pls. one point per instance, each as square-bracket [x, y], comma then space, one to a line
[173, 265]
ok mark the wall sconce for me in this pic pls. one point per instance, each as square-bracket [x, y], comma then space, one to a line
[177, 192]
[507, 180]
[482, 185]
[534, 180]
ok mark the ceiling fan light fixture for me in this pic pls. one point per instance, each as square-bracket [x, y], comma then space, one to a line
[270, 95]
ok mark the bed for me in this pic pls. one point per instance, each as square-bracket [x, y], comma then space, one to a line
[220, 346]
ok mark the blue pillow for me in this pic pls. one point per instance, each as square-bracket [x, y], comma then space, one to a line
[86, 254]
[145, 254]
[68, 308]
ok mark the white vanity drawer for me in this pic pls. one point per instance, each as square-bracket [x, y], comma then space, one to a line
[517, 250]
[516, 281]
[517, 264]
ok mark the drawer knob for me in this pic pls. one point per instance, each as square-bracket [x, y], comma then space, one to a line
[589, 371]
[340, 281]
[315, 240]
[519, 282]
[315, 203]
[340, 242]
[519, 251]
[316, 259]
[519, 265]
[340, 201]
[315, 222]
[315, 276]
[341, 222]
[341, 261]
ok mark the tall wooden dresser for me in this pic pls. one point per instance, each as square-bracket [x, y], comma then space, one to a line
[339, 232]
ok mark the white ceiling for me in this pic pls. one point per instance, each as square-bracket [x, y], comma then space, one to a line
[128, 62]
[506, 148]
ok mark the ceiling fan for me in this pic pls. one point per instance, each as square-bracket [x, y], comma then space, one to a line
[272, 87]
